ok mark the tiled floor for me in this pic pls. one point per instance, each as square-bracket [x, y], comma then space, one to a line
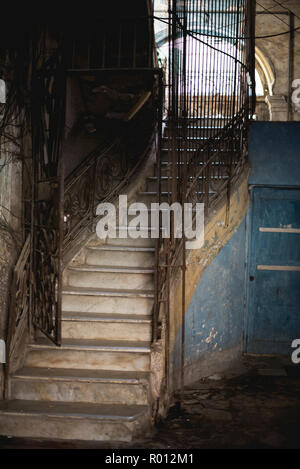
[258, 409]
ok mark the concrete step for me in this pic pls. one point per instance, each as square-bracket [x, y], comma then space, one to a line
[218, 151]
[107, 255]
[200, 120]
[207, 130]
[194, 141]
[151, 197]
[152, 182]
[96, 300]
[217, 168]
[90, 354]
[106, 326]
[214, 162]
[73, 421]
[165, 194]
[219, 156]
[130, 242]
[94, 386]
[93, 276]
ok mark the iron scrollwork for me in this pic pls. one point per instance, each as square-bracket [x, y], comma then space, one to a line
[103, 174]
[47, 272]
[48, 110]
[19, 308]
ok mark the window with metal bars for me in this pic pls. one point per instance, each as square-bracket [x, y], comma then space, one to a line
[210, 35]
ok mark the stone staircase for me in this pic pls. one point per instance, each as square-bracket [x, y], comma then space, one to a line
[195, 138]
[96, 385]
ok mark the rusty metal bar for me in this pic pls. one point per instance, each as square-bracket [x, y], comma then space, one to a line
[157, 278]
[183, 195]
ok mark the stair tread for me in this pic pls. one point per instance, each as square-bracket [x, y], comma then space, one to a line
[107, 317]
[201, 150]
[129, 377]
[212, 163]
[110, 247]
[107, 292]
[166, 178]
[93, 344]
[189, 137]
[73, 409]
[111, 269]
[166, 193]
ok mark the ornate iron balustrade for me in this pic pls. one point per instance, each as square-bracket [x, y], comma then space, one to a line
[100, 177]
[107, 170]
[19, 310]
[213, 168]
[48, 117]
[55, 222]
[206, 125]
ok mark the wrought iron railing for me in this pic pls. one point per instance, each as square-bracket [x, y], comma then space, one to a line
[89, 43]
[207, 143]
[206, 127]
[103, 175]
[62, 209]
[18, 311]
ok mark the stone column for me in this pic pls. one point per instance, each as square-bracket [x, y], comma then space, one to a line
[278, 107]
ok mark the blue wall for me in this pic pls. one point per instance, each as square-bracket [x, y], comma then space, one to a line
[273, 320]
[274, 152]
[215, 320]
[215, 317]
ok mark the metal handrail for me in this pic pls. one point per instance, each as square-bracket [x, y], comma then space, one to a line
[19, 309]
[190, 178]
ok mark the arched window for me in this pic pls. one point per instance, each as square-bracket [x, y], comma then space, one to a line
[203, 64]
[207, 75]
[265, 72]
[259, 88]
[264, 81]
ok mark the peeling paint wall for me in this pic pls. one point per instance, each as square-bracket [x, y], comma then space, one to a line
[213, 314]
[215, 318]
[10, 230]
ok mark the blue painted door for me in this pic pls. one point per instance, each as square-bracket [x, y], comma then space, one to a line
[274, 271]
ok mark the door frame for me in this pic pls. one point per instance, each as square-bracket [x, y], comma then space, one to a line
[249, 230]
